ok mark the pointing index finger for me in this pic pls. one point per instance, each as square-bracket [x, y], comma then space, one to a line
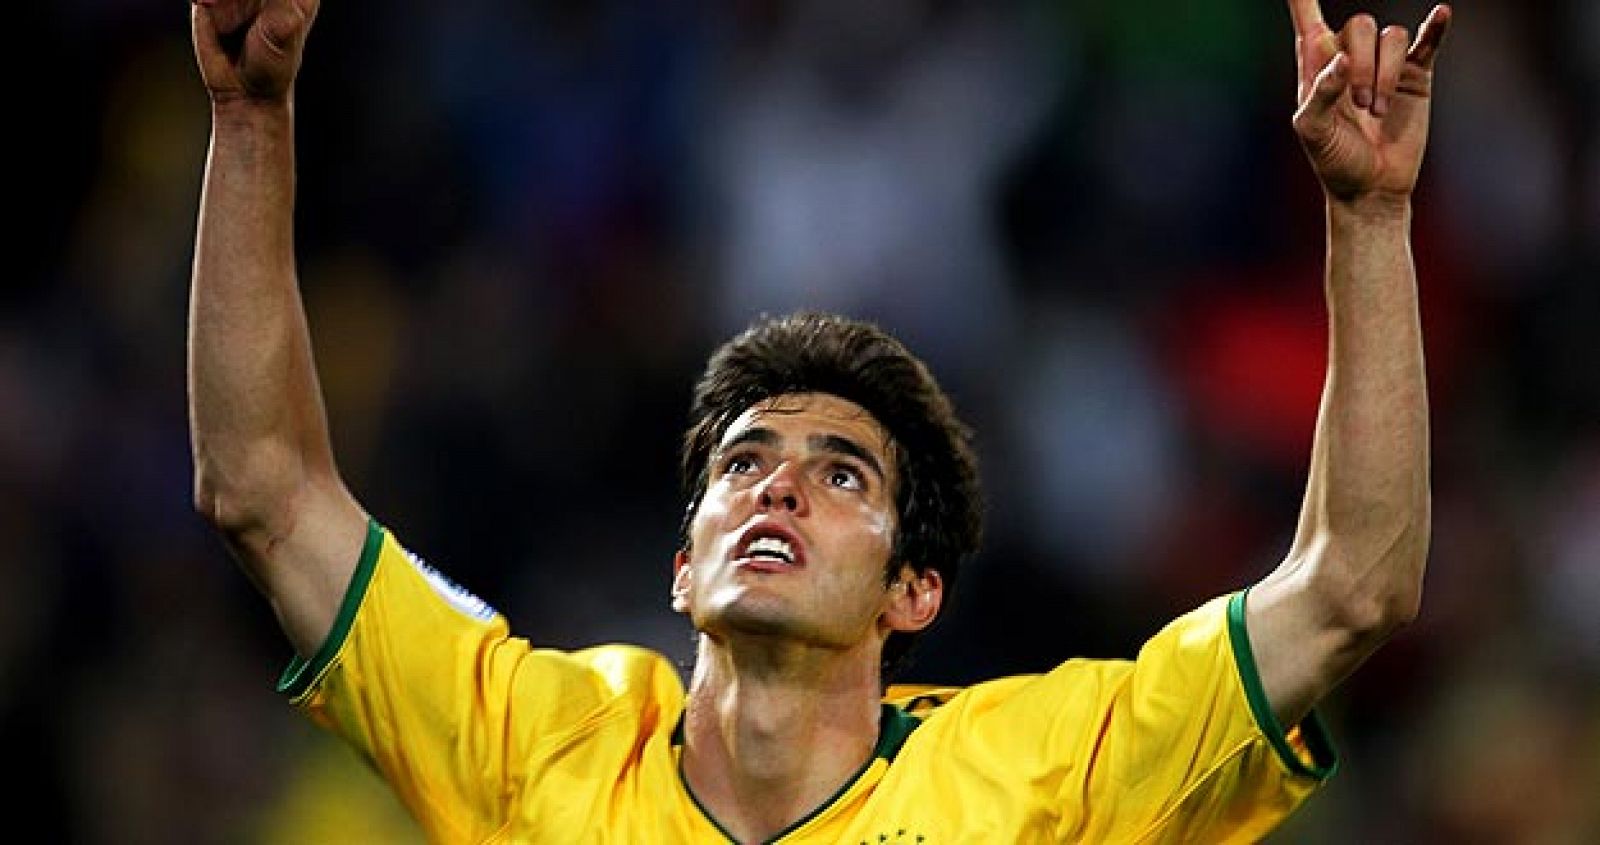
[1307, 15]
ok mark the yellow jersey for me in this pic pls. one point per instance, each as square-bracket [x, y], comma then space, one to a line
[487, 739]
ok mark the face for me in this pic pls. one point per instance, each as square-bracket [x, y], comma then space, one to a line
[793, 534]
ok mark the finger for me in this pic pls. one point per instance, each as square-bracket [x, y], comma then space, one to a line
[1307, 16]
[1426, 49]
[1315, 43]
[202, 27]
[1332, 83]
[1392, 45]
[1360, 40]
[308, 10]
[207, 42]
[1315, 118]
[282, 27]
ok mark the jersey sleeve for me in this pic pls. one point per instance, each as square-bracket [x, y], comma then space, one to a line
[1177, 745]
[424, 680]
[1192, 720]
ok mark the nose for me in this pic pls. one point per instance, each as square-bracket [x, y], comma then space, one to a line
[781, 490]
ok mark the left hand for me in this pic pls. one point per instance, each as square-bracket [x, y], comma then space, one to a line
[249, 50]
[1363, 101]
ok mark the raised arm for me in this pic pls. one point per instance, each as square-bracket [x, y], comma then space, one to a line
[1354, 573]
[264, 472]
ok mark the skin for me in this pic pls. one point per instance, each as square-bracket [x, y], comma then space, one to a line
[773, 467]
[264, 473]
[783, 703]
[1353, 575]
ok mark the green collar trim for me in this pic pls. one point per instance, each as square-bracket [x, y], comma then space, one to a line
[1324, 756]
[894, 728]
[302, 673]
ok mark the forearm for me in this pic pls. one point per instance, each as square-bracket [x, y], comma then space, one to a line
[1354, 573]
[1364, 526]
[263, 468]
[255, 410]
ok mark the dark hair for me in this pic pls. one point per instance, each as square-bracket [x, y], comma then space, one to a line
[938, 499]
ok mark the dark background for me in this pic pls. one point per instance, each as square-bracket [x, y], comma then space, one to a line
[522, 227]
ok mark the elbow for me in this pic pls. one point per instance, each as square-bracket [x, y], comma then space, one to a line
[1368, 615]
[231, 511]
[1394, 611]
[222, 509]
[248, 497]
[1373, 589]
[1405, 559]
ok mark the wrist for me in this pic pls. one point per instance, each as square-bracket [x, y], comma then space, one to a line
[1373, 208]
[248, 113]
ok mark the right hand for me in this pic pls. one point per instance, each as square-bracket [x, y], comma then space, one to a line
[250, 49]
[1364, 100]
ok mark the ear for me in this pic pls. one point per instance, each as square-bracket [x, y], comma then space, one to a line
[913, 599]
[681, 576]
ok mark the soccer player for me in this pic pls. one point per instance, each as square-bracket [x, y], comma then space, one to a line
[832, 495]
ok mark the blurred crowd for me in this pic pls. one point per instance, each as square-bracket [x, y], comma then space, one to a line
[523, 225]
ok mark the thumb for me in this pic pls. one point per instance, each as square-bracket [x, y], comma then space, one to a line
[1315, 117]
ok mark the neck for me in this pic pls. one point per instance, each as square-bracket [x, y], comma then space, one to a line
[771, 732]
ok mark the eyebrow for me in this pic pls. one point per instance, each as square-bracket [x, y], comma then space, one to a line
[845, 446]
[758, 435]
[836, 444]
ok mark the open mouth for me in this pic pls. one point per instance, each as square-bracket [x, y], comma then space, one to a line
[769, 547]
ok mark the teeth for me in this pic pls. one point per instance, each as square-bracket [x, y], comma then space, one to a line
[771, 547]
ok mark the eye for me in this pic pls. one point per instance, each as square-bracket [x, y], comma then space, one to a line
[740, 463]
[845, 478]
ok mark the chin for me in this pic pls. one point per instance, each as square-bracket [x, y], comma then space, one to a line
[754, 617]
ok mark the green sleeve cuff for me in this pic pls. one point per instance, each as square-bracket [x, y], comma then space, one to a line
[1324, 757]
[301, 674]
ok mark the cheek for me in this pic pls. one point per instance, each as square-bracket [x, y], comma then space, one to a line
[878, 527]
[710, 517]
